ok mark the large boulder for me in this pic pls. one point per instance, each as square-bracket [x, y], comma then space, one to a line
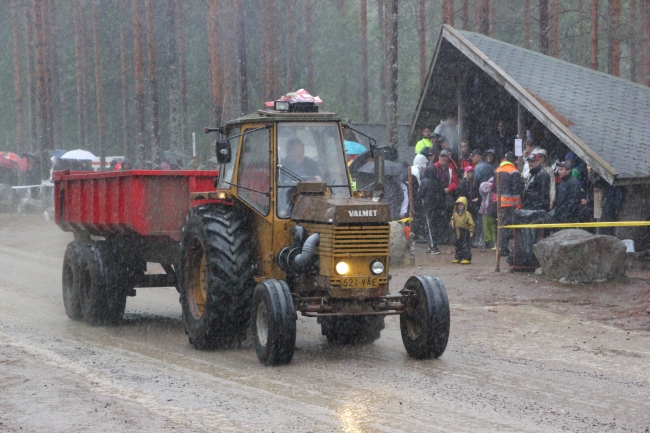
[398, 244]
[578, 256]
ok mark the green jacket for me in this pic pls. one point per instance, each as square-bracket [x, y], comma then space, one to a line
[462, 220]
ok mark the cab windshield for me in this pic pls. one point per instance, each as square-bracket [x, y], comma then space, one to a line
[309, 152]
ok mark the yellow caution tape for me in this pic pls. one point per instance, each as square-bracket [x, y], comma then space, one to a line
[577, 225]
[404, 220]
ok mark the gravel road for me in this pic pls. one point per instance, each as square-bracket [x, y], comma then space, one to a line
[525, 355]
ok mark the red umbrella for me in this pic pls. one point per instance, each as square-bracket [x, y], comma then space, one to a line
[11, 160]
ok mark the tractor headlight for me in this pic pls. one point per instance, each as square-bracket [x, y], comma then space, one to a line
[281, 105]
[342, 268]
[377, 267]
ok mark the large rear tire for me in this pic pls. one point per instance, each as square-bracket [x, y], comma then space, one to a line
[216, 276]
[273, 322]
[71, 280]
[426, 320]
[102, 297]
[352, 329]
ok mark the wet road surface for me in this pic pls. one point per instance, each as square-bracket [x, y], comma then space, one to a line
[506, 368]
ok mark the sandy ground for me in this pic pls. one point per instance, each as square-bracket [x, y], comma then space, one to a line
[525, 355]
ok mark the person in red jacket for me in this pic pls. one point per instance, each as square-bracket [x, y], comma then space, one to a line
[446, 173]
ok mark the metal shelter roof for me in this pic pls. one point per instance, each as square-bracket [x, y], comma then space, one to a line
[604, 119]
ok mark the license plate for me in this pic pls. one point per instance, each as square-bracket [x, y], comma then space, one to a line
[359, 283]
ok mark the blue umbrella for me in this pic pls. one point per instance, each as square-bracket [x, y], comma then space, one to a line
[354, 148]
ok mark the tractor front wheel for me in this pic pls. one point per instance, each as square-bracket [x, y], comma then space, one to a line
[273, 322]
[425, 322]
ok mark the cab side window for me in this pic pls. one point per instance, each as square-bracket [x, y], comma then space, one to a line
[253, 173]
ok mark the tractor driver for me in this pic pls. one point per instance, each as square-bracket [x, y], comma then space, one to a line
[298, 163]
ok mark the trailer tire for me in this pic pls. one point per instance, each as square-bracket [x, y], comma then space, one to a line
[71, 279]
[352, 329]
[425, 322]
[216, 276]
[273, 322]
[102, 299]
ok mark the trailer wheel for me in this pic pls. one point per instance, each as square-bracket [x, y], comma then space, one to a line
[216, 276]
[352, 329]
[273, 321]
[425, 322]
[102, 299]
[70, 280]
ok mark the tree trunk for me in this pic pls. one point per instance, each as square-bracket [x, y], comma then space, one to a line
[308, 48]
[484, 17]
[138, 69]
[226, 68]
[57, 121]
[215, 63]
[633, 42]
[153, 83]
[594, 34]
[182, 74]
[126, 118]
[391, 61]
[81, 113]
[554, 29]
[31, 75]
[614, 43]
[646, 26]
[448, 12]
[493, 19]
[271, 55]
[47, 23]
[85, 74]
[174, 90]
[527, 24]
[99, 88]
[18, 87]
[365, 103]
[241, 50]
[288, 34]
[423, 42]
[343, 64]
[41, 78]
[382, 59]
[581, 32]
[543, 27]
[464, 14]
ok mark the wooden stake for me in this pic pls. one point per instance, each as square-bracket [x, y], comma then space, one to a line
[497, 269]
[411, 215]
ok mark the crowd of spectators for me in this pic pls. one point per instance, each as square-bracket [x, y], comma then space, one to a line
[565, 189]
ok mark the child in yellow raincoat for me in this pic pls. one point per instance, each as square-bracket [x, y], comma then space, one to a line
[462, 221]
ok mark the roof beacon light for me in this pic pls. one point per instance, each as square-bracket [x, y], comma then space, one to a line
[281, 105]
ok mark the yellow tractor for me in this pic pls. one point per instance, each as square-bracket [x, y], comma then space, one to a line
[283, 233]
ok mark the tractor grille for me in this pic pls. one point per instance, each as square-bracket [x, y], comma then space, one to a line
[352, 242]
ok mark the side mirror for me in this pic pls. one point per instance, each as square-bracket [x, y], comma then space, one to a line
[224, 154]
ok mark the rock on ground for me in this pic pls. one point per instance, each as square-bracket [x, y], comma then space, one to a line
[578, 256]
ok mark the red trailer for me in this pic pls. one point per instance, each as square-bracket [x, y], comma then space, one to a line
[121, 221]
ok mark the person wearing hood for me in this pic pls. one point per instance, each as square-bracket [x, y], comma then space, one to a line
[432, 195]
[419, 165]
[462, 221]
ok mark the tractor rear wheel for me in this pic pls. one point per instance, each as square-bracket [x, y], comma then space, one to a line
[216, 276]
[425, 322]
[70, 280]
[352, 329]
[273, 322]
[101, 297]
